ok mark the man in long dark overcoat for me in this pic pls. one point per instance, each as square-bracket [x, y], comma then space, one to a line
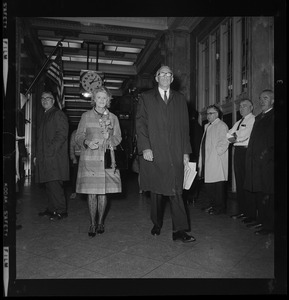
[52, 161]
[162, 127]
[259, 178]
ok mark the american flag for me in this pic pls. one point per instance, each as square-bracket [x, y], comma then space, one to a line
[55, 73]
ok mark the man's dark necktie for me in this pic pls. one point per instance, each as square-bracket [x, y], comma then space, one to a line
[165, 97]
[240, 124]
[203, 147]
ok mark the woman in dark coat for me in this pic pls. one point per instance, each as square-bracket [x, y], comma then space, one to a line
[52, 162]
[163, 139]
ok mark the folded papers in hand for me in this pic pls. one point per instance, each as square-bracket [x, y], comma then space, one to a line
[189, 175]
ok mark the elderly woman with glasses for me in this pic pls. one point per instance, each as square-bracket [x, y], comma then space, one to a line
[213, 160]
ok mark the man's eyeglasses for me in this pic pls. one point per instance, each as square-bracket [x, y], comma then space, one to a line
[47, 98]
[163, 74]
[211, 113]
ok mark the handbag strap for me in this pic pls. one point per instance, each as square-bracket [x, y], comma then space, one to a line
[112, 156]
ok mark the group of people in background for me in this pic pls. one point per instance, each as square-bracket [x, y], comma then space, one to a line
[253, 141]
[164, 149]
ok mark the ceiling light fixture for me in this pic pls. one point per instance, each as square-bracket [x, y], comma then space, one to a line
[112, 87]
[113, 80]
[76, 109]
[65, 43]
[71, 84]
[75, 99]
[129, 48]
[72, 78]
[122, 62]
[86, 94]
[80, 58]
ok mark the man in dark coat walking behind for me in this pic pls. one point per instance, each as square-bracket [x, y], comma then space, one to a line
[52, 161]
[162, 127]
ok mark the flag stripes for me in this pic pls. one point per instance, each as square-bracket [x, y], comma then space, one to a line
[55, 73]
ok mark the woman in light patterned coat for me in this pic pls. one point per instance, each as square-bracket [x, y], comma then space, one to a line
[98, 130]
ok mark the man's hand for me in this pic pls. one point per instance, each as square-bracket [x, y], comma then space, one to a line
[186, 159]
[148, 155]
[233, 138]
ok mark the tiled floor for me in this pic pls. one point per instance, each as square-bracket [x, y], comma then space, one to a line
[224, 248]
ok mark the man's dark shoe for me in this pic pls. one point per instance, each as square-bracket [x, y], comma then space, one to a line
[237, 216]
[216, 212]
[254, 225]
[183, 236]
[64, 215]
[210, 211]
[45, 213]
[263, 232]
[207, 209]
[156, 230]
[57, 216]
[248, 220]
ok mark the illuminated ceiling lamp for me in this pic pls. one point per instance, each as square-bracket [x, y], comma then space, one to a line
[90, 79]
[128, 48]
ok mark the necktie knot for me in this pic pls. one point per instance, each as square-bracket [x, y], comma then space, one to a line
[165, 97]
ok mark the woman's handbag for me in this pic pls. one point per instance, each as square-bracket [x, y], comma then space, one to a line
[107, 159]
[112, 173]
[119, 157]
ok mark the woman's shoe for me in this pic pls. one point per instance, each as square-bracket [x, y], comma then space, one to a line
[208, 209]
[100, 228]
[92, 231]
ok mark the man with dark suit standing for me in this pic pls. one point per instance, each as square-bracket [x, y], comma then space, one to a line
[259, 178]
[162, 127]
